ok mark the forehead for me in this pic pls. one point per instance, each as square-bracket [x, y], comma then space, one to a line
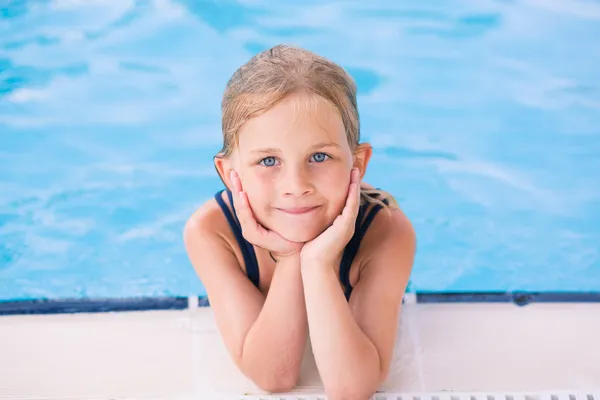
[297, 121]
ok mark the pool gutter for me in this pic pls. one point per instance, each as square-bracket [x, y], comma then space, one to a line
[91, 305]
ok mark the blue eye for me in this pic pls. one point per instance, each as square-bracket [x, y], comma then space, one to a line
[319, 157]
[268, 161]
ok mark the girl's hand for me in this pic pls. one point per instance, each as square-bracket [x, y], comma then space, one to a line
[254, 232]
[327, 248]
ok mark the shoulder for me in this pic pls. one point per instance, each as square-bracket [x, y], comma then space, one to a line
[389, 225]
[391, 239]
[209, 242]
[385, 261]
[206, 222]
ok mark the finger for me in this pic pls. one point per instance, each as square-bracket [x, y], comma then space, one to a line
[241, 203]
[250, 227]
[355, 175]
[356, 180]
[252, 230]
[235, 182]
[353, 200]
[257, 234]
[242, 207]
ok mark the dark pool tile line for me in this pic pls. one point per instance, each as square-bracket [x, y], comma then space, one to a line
[518, 298]
[72, 306]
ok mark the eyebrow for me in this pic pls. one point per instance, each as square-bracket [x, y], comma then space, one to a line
[315, 147]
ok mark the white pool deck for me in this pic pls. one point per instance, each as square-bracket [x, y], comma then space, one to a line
[478, 347]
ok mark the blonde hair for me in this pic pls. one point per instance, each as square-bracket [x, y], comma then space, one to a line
[270, 76]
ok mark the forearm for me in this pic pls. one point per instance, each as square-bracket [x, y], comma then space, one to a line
[347, 360]
[274, 345]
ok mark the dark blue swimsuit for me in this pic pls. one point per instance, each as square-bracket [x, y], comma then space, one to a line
[349, 252]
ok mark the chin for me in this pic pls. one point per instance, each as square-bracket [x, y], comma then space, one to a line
[299, 235]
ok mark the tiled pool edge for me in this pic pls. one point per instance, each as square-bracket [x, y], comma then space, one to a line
[519, 298]
[72, 306]
[451, 395]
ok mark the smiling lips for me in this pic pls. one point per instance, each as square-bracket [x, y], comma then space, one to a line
[298, 210]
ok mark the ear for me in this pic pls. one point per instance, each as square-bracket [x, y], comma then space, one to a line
[362, 155]
[224, 166]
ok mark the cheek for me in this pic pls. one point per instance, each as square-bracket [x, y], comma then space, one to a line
[258, 183]
[333, 183]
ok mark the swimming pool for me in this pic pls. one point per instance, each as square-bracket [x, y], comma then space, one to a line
[485, 119]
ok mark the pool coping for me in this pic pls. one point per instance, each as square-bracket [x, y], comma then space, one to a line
[96, 305]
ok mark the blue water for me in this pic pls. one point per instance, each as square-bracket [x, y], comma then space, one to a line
[484, 116]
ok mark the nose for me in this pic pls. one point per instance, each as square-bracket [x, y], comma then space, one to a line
[296, 182]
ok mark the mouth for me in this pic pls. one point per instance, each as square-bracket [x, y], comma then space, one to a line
[298, 210]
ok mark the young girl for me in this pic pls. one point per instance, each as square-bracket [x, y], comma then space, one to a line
[297, 246]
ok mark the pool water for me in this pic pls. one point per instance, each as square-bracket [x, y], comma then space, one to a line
[484, 117]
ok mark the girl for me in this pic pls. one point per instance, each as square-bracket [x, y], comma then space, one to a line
[296, 246]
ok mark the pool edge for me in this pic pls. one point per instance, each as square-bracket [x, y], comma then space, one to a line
[74, 306]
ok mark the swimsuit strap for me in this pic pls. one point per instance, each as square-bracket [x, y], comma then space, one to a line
[360, 229]
[246, 247]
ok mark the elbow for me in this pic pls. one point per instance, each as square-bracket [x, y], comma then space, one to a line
[356, 389]
[349, 393]
[270, 375]
[279, 382]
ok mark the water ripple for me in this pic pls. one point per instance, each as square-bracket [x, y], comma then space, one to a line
[483, 117]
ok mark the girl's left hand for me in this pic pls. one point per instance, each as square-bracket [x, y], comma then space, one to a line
[327, 248]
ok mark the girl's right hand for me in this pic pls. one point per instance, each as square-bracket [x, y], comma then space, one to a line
[254, 232]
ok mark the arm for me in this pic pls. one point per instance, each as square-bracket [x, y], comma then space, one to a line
[353, 343]
[266, 337]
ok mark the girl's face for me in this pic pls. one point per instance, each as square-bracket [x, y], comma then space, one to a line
[294, 162]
